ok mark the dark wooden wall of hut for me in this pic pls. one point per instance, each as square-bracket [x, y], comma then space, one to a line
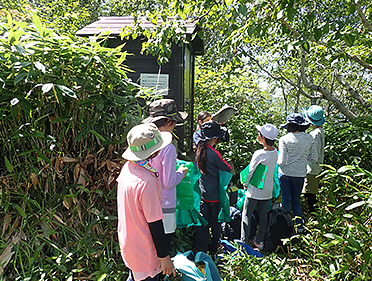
[141, 63]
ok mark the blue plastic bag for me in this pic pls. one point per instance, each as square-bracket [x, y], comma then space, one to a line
[230, 248]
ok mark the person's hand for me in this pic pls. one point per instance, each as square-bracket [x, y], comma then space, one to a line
[167, 266]
[183, 170]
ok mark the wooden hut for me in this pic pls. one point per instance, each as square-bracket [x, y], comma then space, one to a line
[174, 79]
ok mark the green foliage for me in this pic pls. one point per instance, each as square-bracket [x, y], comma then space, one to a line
[160, 38]
[241, 266]
[49, 81]
[182, 241]
[217, 87]
[349, 142]
[66, 16]
[338, 241]
[128, 8]
[269, 36]
[65, 105]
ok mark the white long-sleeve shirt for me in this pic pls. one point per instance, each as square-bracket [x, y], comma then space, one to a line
[267, 158]
[314, 168]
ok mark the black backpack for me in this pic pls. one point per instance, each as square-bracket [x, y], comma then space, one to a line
[231, 230]
[279, 226]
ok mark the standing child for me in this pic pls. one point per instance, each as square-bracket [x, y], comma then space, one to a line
[295, 149]
[140, 227]
[164, 114]
[202, 117]
[314, 114]
[268, 157]
[209, 162]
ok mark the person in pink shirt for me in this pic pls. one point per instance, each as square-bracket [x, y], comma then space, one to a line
[140, 228]
[164, 114]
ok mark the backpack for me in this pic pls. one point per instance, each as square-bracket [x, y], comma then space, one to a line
[231, 230]
[279, 226]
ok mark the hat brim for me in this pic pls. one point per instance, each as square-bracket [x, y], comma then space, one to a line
[141, 155]
[212, 137]
[319, 123]
[285, 126]
[179, 117]
[209, 138]
[224, 114]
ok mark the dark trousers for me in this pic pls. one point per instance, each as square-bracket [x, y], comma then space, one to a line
[156, 278]
[291, 188]
[311, 201]
[210, 212]
[248, 208]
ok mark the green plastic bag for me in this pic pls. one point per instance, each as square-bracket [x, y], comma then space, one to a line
[192, 217]
[258, 177]
[275, 193]
[188, 198]
[240, 200]
[225, 178]
[276, 185]
[185, 189]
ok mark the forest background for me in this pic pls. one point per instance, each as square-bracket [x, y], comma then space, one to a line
[66, 107]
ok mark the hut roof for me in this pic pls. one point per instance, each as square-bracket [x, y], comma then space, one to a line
[116, 24]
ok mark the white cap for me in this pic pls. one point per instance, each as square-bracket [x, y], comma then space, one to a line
[269, 131]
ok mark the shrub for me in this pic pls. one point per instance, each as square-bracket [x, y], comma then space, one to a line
[66, 105]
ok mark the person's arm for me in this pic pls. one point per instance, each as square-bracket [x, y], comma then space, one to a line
[319, 146]
[220, 162]
[313, 155]
[161, 246]
[196, 137]
[171, 177]
[158, 236]
[282, 153]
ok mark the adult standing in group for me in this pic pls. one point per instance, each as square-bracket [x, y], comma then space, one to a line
[165, 115]
[315, 115]
[295, 150]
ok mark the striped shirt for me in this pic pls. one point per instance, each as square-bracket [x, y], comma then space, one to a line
[295, 150]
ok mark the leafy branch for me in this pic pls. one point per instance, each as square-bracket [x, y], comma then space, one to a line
[354, 93]
[324, 91]
[281, 78]
[353, 58]
[365, 21]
